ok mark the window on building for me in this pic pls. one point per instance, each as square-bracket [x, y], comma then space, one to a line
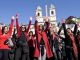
[38, 14]
[52, 12]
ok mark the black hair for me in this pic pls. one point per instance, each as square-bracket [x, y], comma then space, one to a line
[42, 27]
[69, 29]
[24, 27]
[3, 28]
[14, 34]
[30, 32]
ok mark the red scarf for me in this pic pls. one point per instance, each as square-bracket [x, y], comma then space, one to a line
[47, 46]
[31, 41]
[74, 45]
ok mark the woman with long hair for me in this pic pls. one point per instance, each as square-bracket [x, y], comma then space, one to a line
[70, 44]
[42, 44]
[22, 50]
[78, 43]
[4, 35]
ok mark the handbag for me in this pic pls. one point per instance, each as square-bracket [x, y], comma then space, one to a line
[9, 42]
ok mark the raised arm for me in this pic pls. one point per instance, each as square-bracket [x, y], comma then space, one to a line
[17, 26]
[11, 26]
[64, 28]
[36, 26]
[75, 29]
[47, 25]
[59, 30]
[27, 30]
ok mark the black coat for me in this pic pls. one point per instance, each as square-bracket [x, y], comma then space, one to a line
[67, 37]
[22, 42]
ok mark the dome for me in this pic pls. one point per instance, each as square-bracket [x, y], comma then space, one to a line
[52, 6]
[39, 8]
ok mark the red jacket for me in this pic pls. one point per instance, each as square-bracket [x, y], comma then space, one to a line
[3, 38]
[47, 46]
[19, 30]
[31, 41]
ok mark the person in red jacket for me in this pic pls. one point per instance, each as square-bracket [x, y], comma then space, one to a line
[42, 45]
[22, 50]
[4, 49]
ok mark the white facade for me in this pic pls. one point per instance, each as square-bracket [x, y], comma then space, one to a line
[51, 17]
[52, 13]
[39, 15]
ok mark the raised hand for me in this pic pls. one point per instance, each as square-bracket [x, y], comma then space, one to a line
[17, 15]
[13, 17]
[63, 21]
[31, 18]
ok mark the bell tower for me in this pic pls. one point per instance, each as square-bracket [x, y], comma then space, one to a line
[39, 15]
[52, 13]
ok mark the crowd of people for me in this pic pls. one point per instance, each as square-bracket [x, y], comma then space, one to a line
[46, 44]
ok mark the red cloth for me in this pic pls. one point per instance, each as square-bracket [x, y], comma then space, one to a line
[31, 41]
[19, 30]
[38, 38]
[74, 45]
[3, 38]
[54, 36]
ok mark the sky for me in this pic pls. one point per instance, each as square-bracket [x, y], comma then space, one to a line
[27, 8]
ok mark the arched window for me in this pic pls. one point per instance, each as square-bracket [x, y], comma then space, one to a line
[38, 14]
[52, 12]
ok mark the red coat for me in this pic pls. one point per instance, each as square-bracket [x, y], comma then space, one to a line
[74, 45]
[47, 46]
[3, 38]
[19, 30]
[31, 42]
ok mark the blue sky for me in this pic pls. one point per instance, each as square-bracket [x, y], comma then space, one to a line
[26, 8]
